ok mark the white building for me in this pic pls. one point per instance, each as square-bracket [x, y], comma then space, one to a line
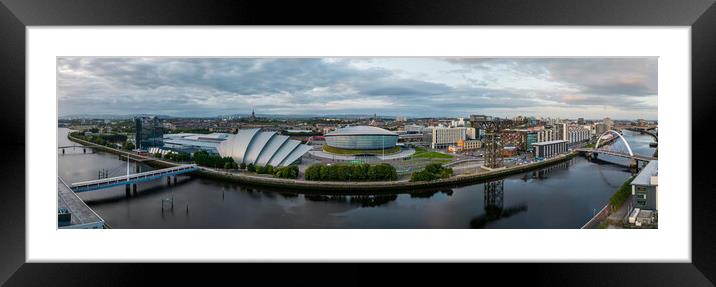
[556, 132]
[443, 137]
[579, 134]
[460, 122]
[471, 133]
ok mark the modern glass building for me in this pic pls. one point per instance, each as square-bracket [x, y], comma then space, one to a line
[361, 138]
[531, 138]
[262, 148]
[148, 132]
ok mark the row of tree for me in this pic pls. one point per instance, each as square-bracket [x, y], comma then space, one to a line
[180, 156]
[290, 171]
[346, 172]
[100, 140]
[203, 158]
[432, 171]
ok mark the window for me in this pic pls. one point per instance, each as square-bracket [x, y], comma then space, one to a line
[641, 196]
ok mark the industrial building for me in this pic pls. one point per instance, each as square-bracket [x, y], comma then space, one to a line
[550, 148]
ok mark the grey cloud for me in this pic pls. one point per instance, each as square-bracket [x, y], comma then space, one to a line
[210, 86]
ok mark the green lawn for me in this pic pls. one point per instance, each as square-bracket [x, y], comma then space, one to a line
[622, 194]
[421, 152]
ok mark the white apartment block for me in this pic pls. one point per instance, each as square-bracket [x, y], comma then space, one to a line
[578, 135]
[442, 137]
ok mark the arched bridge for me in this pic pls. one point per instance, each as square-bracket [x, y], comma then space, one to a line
[614, 150]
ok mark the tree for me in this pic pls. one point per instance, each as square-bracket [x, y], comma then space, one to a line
[432, 172]
[343, 172]
[128, 145]
[313, 172]
[422, 175]
[227, 165]
[242, 166]
[251, 167]
[290, 171]
[182, 156]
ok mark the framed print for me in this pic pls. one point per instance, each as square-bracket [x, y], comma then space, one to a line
[482, 134]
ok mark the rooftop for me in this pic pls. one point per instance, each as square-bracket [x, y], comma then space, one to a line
[644, 177]
[361, 130]
[549, 142]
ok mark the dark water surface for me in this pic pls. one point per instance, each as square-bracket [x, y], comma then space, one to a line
[562, 196]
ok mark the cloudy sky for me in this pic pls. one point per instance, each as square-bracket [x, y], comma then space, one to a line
[620, 88]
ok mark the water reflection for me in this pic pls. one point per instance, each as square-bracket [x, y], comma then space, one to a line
[358, 200]
[494, 205]
[545, 172]
[560, 196]
[430, 193]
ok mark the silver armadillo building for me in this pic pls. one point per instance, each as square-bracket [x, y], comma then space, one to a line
[262, 148]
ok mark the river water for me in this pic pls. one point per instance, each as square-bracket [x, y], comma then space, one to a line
[562, 196]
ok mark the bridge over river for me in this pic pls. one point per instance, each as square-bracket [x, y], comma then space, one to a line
[624, 151]
[129, 179]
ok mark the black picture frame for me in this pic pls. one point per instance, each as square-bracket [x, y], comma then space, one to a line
[16, 15]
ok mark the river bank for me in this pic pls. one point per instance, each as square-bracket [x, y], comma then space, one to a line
[562, 195]
[345, 187]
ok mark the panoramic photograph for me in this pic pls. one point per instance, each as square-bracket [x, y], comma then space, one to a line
[357, 142]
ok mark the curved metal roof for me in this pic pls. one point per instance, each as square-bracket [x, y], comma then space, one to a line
[261, 148]
[270, 150]
[361, 130]
[283, 152]
[257, 146]
[243, 138]
[296, 154]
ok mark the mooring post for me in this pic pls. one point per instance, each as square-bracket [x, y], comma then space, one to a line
[63, 151]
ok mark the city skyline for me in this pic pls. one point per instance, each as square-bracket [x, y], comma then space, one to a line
[590, 88]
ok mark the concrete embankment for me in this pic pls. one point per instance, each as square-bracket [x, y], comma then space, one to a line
[305, 186]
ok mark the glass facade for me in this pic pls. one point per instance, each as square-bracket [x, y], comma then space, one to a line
[531, 138]
[149, 132]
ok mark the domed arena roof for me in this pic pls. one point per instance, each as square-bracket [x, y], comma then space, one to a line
[361, 130]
